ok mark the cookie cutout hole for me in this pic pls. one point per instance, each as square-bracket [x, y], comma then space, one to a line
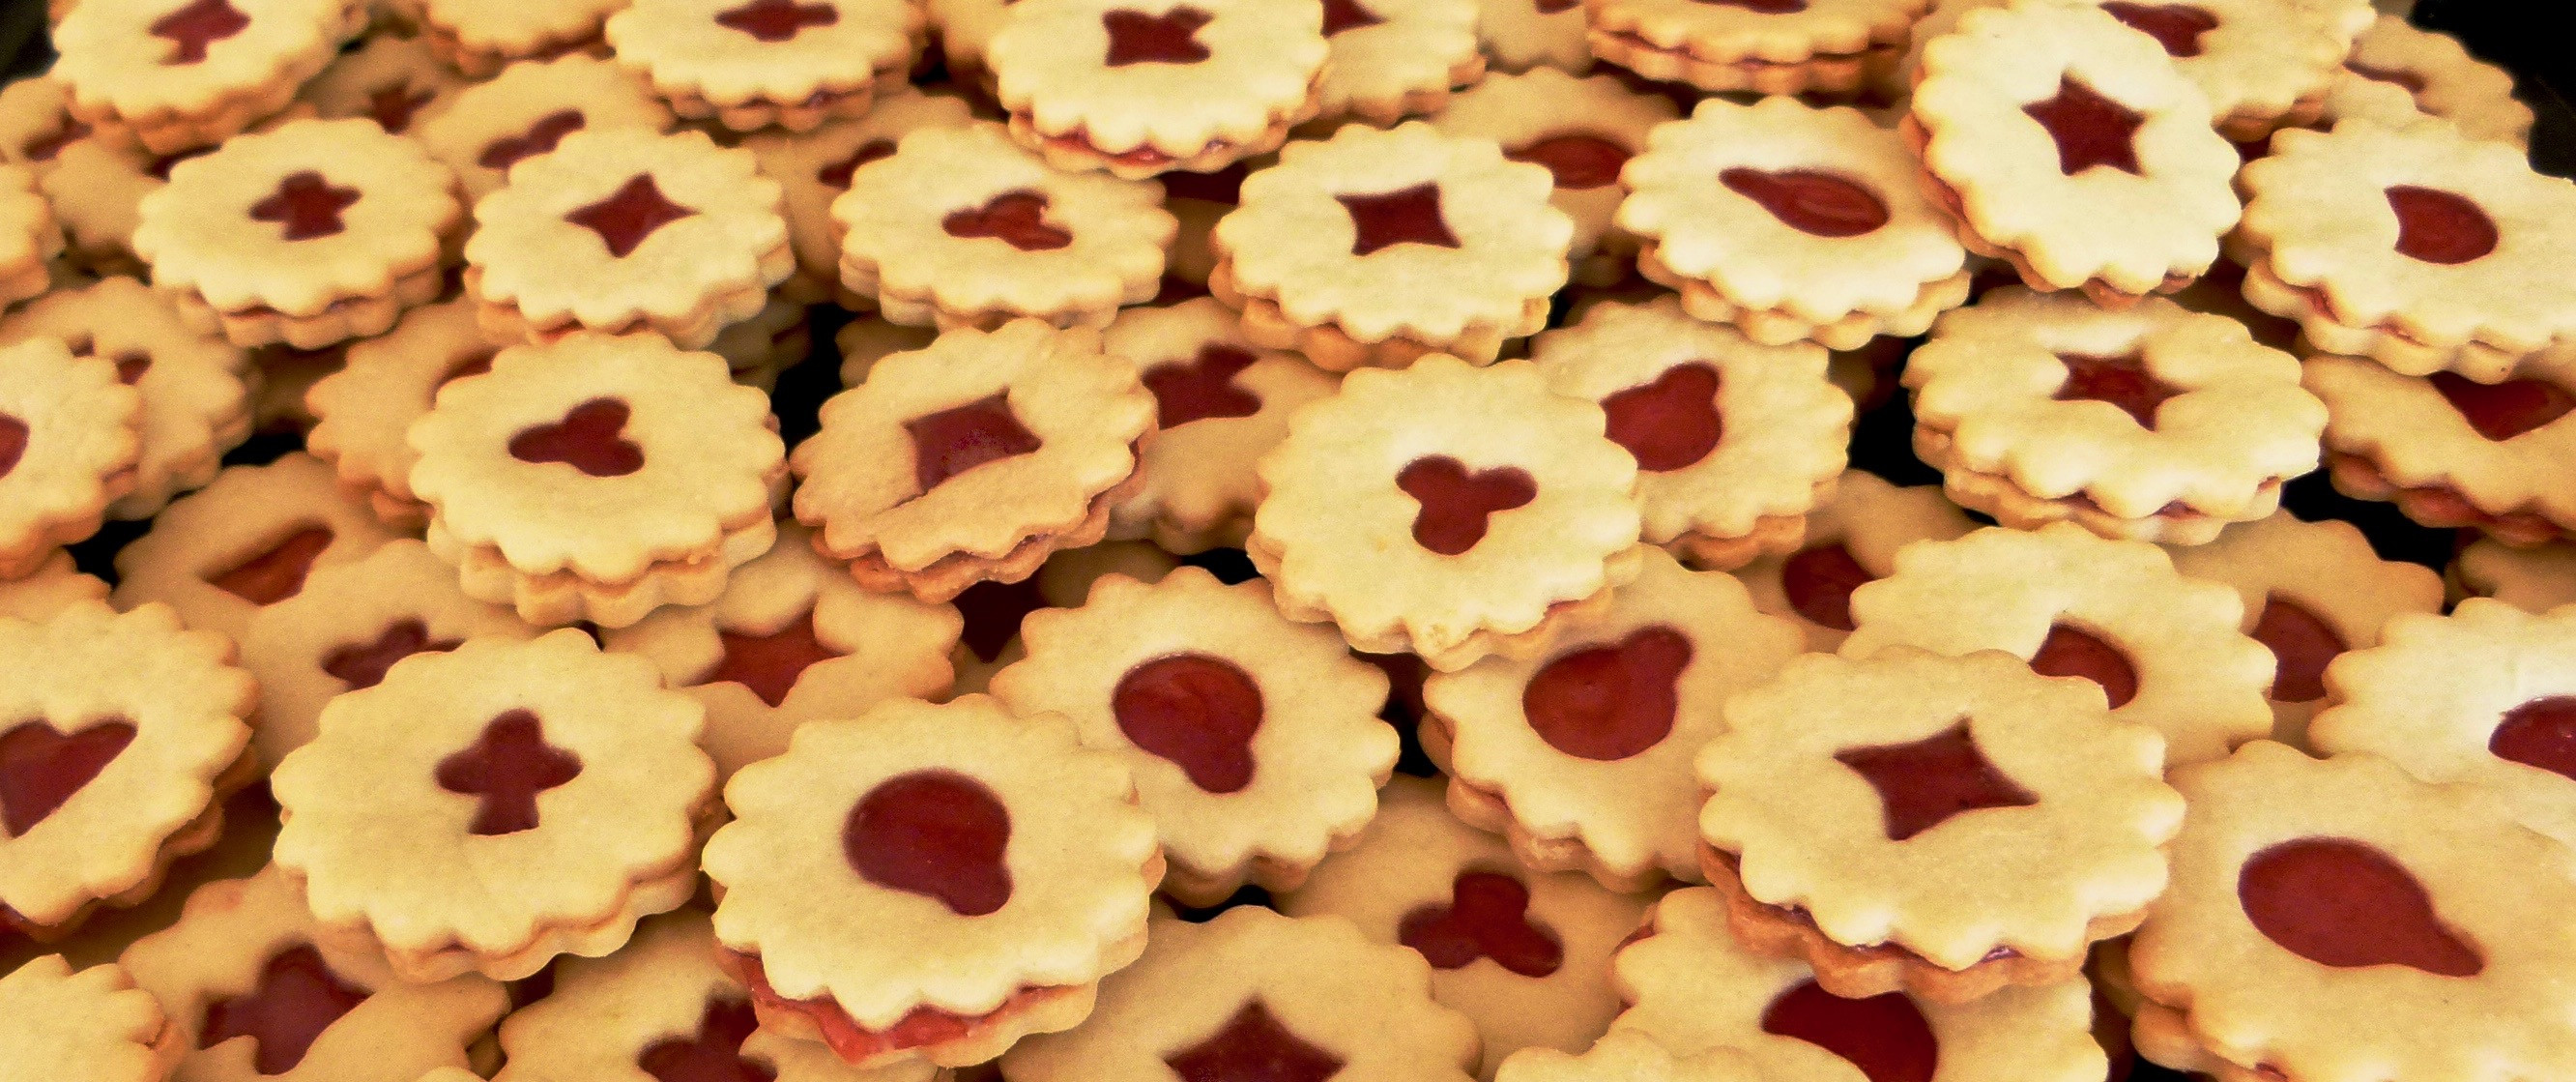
[2440, 227]
[507, 768]
[588, 438]
[2177, 27]
[131, 367]
[713, 1053]
[1405, 216]
[362, 664]
[935, 833]
[1136, 37]
[629, 215]
[298, 997]
[305, 206]
[2124, 381]
[1670, 423]
[1457, 505]
[2090, 130]
[1253, 1045]
[1819, 581]
[1810, 201]
[955, 440]
[192, 29]
[1557, 7]
[277, 572]
[1884, 1036]
[13, 442]
[2540, 733]
[837, 174]
[41, 767]
[1578, 161]
[2345, 904]
[2501, 411]
[1197, 711]
[1016, 218]
[774, 21]
[540, 138]
[1610, 702]
[1340, 15]
[1923, 784]
[769, 665]
[393, 106]
[1201, 387]
[2072, 651]
[1487, 917]
[1761, 7]
[2302, 645]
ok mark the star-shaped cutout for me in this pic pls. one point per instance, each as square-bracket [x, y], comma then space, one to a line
[2089, 129]
[1254, 1047]
[1404, 216]
[509, 764]
[307, 205]
[629, 214]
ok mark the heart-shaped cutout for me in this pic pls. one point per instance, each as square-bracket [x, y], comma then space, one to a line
[42, 767]
[1016, 218]
[1198, 711]
[1669, 423]
[2501, 411]
[2072, 651]
[1923, 784]
[955, 440]
[1885, 1035]
[588, 438]
[1456, 504]
[1810, 201]
[2343, 903]
[770, 664]
[713, 1053]
[1487, 917]
[363, 664]
[2440, 227]
[935, 833]
[298, 997]
[1607, 703]
[1254, 1047]
[2540, 733]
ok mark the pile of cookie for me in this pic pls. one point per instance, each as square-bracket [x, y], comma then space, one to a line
[1228, 391]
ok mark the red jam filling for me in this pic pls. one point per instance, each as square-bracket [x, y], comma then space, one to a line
[2177, 27]
[1762, 7]
[393, 106]
[1819, 580]
[1669, 423]
[1201, 387]
[2302, 643]
[993, 611]
[770, 664]
[775, 21]
[507, 767]
[305, 205]
[1922, 784]
[1253, 1047]
[2439, 227]
[1136, 37]
[955, 440]
[1456, 503]
[192, 28]
[1223, 186]
[1810, 201]
[41, 768]
[1606, 703]
[920, 1027]
[1554, 7]
[2413, 82]
[43, 147]
[540, 138]
[2121, 381]
[1016, 218]
[713, 1053]
[1340, 15]
[631, 213]
[1405, 216]
[935, 833]
[363, 664]
[1487, 917]
[1885, 1035]
[1579, 162]
[130, 368]
[159, 168]
[298, 997]
[2089, 129]
[588, 439]
[2501, 411]
[2540, 733]
[837, 174]
[277, 572]
[2343, 903]
[2071, 651]
[13, 443]
[1198, 711]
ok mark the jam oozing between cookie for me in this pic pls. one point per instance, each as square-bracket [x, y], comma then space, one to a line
[1254, 1047]
[713, 1053]
[775, 21]
[1340, 15]
[1198, 711]
[2302, 644]
[935, 833]
[1669, 423]
[1016, 218]
[297, 999]
[960, 438]
[1404, 216]
[837, 174]
[191, 29]
[2540, 733]
[305, 206]
[1606, 703]
[363, 664]
[770, 664]
[1819, 581]
[1922, 784]
[1810, 201]
[2089, 129]
[2501, 411]
[393, 106]
[40, 768]
[2123, 381]
[1579, 161]
[2440, 227]
[540, 138]
[508, 766]
[277, 572]
[13, 442]
[629, 215]
[1201, 387]
[1487, 917]
[589, 438]
[2071, 651]
[2343, 903]
[2177, 27]
[1885, 1035]
[1136, 37]
[1456, 505]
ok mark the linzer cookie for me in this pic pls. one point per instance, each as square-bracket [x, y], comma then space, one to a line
[93, 1025]
[247, 540]
[1392, 59]
[1446, 511]
[624, 230]
[362, 409]
[1254, 741]
[1521, 35]
[311, 234]
[1255, 994]
[973, 459]
[959, 227]
[963, 28]
[565, 783]
[2450, 451]
[2067, 145]
[2531, 579]
[2418, 247]
[394, 81]
[53, 586]
[173, 74]
[1735, 442]
[528, 109]
[792, 639]
[1376, 247]
[2338, 920]
[1583, 131]
[1815, 229]
[994, 610]
[255, 989]
[1851, 539]
[751, 64]
[67, 449]
[2154, 422]
[97, 193]
[125, 735]
[773, 340]
[2164, 648]
[597, 478]
[814, 168]
[1833, 47]
[931, 882]
[2397, 71]
[1626, 1056]
[284, 373]
[1140, 87]
[36, 122]
[2264, 64]
[1221, 402]
[1691, 986]
[1525, 954]
[480, 37]
[1583, 758]
[867, 339]
[28, 236]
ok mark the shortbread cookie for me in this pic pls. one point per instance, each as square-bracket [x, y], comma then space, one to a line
[362, 409]
[1583, 131]
[394, 81]
[566, 783]
[814, 168]
[1393, 59]
[175, 74]
[1626, 1056]
[960, 227]
[283, 374]
[53, 586]
[895, 482]
[480, 37]
[1734, 441]
[963, 28]
[772, 341]
[28, 236]
[1376, 247]
[1764, 46]
[93, 1025]
[245, 541]
[1525, 954]
[2140, 193]
[993, 610]
[2534, 579]
[2263, 64]
[2451, 451]
[1447, 511]
[1254, 741]
[751, 64]
[68, 445]
[97, 191]
[255, 989]
[1852, 539]
[528, 109]
[1521, 35]
[792, 639]
[2336, 921]
[867, 339]
[125, 735]
[624, 230]
[1221, 402]
[312, 234]
[36, 122]
[1199, 201]
[2429, 72]
[1141, 87]
[931, 882]
[2164, 648]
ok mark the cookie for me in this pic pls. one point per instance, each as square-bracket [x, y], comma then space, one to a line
[2531, 579]
[245, 541]
[772, 341]
[481, 37]
[94, 1024]
[54, 586]
[1583, 131]
[525, 111]
[752, 64]
[68, 445]
[36, 122]
[1392, 59]
[993, 610]
[1851, 539]
[2450, 451]
[1521, 35]
[284, 374]
[814, 168]
[97, 191]
[1136, 90]
[1626, 1056]
[28, 236]
[1767, 47]
[2263, 64]
[362, 409]
[169, 75]
[2397, 71]
[867, 339]
[963, 28]
[394, 81]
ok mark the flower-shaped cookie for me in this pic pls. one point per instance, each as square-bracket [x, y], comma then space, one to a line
[1764, 46]
[1735, 442]
[53, 586]
[36, 122]
[973, 459]
[2139, 192]
[750, 64]
[1254, 741]
[2338, 921]
[526, 111]
[97, 191]
[124, 735]
[2155, 423]
[2165, 648]
[963, 28]
[1626, 1056]
[1376, 247]
[93, 1025]
[394, 81]
[565, 783]
[1140, 87]
[1851, 539]
[1583, 758]
[1521, 35]
[792, 639]
[1447, 511]
[773, 340]
[2419, 247]
[28, 236]
[1525, 954]
[1391, 59]
[598, 477]
[480, 37]
[1221, 402]
[2451, 451]
[68, 445]
[1583, 131]
[2263, 64]
[256, 990]
[867, 339]
[312, 234]
[960, 227]
[2534, 579]
[624, 230]
[362, 409]
[176, 74]
[2397, 72]
[814, 168]
[994, 610]
[245, 541]
[931, 882]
